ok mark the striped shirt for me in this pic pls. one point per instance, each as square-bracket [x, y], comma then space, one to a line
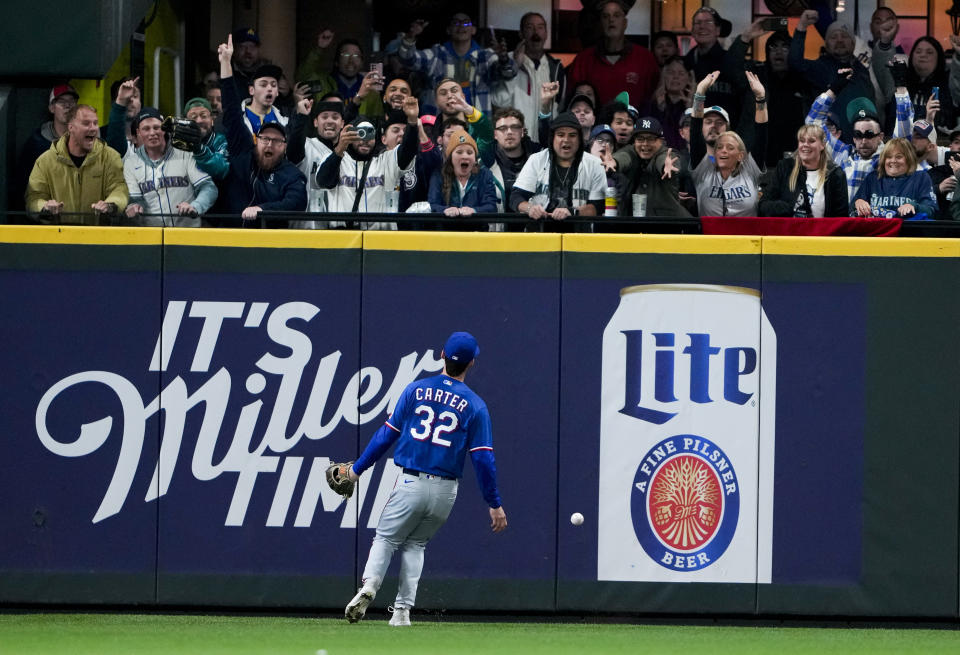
[476, 71]
[843, 154]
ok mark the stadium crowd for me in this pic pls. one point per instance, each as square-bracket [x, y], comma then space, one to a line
[460, 129]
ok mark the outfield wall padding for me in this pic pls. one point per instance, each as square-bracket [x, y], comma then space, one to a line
[750, 426]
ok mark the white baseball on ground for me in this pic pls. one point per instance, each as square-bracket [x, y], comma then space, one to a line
[576, 518]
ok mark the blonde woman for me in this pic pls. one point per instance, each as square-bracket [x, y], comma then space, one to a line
[807, 184]
[896, 188]
[725, 174]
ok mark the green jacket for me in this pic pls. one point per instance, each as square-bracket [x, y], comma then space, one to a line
[316, 67]
[56, 177]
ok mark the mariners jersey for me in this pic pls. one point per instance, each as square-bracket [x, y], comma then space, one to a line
[315, 151]
[383, 177]
[439, 420]
[160, 186]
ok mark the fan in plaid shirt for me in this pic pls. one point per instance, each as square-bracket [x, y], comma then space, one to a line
[460, 59]
[857, 161]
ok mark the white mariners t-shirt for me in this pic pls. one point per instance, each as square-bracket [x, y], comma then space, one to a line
[315, 152]
[383, 175]
[740, 195]
[591, 182]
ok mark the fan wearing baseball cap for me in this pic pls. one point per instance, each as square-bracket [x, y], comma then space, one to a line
[362, 179]
[860, 159]
[211, 153]
[260, 178]
[924, 138]
[63, 98]
[166, 186]
[435, 423]
[727, 183]
[247, 57]
[653, 173]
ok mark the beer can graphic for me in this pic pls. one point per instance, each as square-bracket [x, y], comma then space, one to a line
[687, 436]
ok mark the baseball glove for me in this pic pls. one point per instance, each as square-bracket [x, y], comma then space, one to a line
[183, 134]
[339, 479]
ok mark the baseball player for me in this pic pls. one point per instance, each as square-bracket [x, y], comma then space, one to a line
[435, 423]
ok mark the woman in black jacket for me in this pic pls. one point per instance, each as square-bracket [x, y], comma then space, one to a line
[806, 184]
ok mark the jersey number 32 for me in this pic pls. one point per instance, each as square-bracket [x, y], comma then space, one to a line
[432, 423]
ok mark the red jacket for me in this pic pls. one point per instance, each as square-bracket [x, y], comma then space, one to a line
[636, 72]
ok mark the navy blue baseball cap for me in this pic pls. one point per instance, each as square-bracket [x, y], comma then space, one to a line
[273, 125]
[602, 129]
[461, 347]
[649, 125]
[145, 113]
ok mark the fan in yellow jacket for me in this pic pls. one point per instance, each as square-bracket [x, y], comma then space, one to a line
[79, 177]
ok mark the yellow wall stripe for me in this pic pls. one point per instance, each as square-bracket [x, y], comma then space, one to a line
[662, 243]
[77, 235]
[484, 242]
[319, 239]
[861, 247]
[461, 241]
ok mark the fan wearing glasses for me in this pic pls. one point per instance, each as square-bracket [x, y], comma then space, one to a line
[461, 59]
[860, 159]
[260, 178]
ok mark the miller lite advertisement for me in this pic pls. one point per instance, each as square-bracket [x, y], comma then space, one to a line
[689, 379]
[166, 428]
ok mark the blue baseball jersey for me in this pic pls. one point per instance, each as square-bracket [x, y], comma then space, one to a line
[439, 420]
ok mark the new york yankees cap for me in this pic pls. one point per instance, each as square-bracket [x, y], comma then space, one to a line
[461, 347]
[649, 125]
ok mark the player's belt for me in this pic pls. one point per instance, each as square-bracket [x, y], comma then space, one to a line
[417, 474]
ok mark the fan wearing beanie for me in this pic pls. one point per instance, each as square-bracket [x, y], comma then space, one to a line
[562, 180]
[461, 187]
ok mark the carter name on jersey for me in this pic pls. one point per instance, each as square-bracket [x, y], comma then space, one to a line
[443, 397]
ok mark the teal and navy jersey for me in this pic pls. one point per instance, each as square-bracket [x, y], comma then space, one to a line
[439, 420]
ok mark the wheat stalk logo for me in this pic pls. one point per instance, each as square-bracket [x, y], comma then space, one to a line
[685, 502]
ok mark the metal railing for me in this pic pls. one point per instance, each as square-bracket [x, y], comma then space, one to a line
[476, 223]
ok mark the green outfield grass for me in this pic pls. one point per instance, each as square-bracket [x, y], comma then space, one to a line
[163, 634]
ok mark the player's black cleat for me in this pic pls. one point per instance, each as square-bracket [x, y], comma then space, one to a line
[357, 607]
